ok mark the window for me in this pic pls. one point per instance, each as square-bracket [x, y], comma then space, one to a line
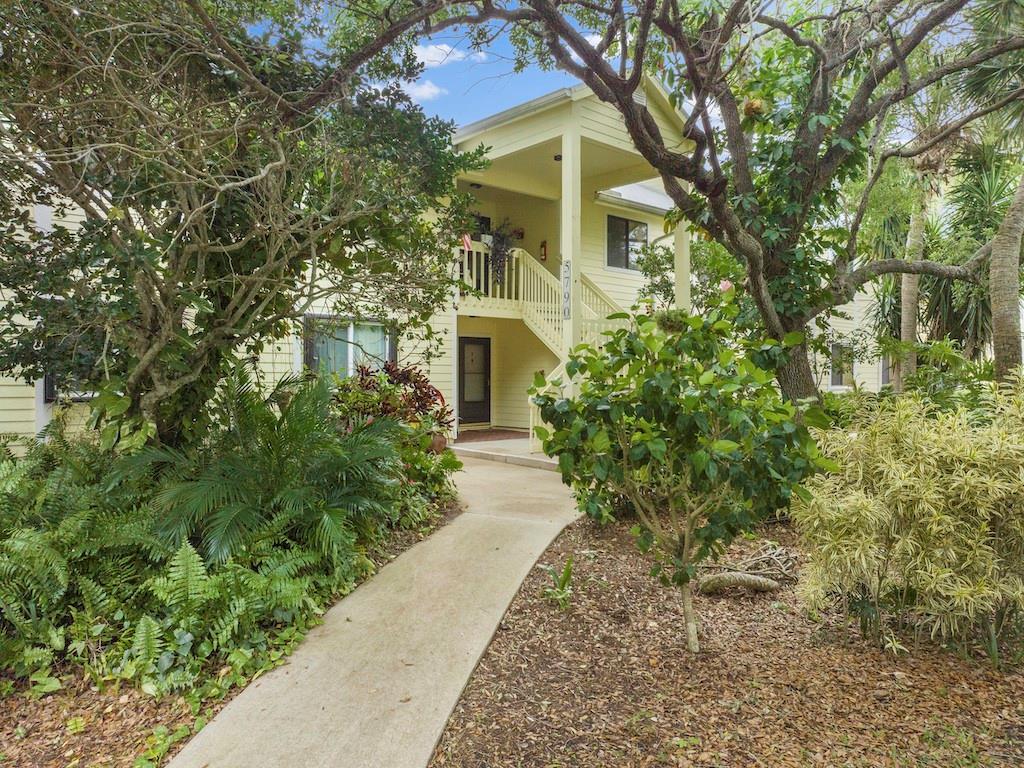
[54, 392]
[625, 240]
[340, 346]
[887, 371]
[842, 366]
[482, 226]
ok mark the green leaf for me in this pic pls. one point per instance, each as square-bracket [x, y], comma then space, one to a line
[826, 464]
[566, 463]
[815, 416]
[657, 448]
[793, 339]
[108, 435]
[724, 446]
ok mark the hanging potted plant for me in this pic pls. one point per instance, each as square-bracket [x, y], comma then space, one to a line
[502, 238]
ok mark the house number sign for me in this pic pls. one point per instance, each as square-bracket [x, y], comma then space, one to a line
[566, 289]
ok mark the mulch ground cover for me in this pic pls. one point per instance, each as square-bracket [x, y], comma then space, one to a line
[81, 726]
[609, 682]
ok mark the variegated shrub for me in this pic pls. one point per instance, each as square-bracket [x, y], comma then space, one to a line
[921, 531]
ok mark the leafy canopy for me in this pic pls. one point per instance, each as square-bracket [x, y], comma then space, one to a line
[217, 171]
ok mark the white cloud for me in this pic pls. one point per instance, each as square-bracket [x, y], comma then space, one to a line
[439, 54]
[426, 90]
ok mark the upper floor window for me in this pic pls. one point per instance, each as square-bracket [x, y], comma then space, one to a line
[842, 366]
[340, 345]
[626, 239]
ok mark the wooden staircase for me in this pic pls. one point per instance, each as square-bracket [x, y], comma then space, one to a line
[528, 291]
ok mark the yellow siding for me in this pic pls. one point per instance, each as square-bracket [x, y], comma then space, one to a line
[516, 354]
[277, 359]
[521, 133]
[18, 399]
[17, 407]
[440, 366]
[622, 285]
[538, 218]
[602, 122]
[867, 373]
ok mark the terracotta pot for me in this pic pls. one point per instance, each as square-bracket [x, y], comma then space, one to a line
[438, 442]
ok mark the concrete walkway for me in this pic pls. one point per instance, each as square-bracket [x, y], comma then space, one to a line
[373, 686]
[510, 451]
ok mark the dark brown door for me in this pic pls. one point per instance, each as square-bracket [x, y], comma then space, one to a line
[474, 380]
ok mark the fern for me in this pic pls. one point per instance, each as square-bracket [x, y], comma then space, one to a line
[166, 564]
[147, 643]
[186, 582]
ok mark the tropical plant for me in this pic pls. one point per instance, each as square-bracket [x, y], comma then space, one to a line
[560, 590]
[402, 393]
[675, 415]
[405, 394]
[166, 566]
[929, 113]
[919, 528]
[1000, 82]
[269, 475]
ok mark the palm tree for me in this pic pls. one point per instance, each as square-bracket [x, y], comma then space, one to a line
[910, 288]
[974, 205]
[927, 116]
[997, 80]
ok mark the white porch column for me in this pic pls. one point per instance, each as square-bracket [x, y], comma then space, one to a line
[569, 238]
[682, 266]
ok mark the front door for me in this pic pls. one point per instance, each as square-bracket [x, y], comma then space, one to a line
[474, 380]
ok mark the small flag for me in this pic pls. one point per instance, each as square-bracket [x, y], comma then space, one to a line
[467, 242]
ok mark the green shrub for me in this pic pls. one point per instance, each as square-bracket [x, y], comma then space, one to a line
[268, 476]
[73, 550]
[404, 394]
[674, 416]
[922, 528]
[163, 567]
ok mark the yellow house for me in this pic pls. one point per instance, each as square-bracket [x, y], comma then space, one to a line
[566, 181]
[578, 201]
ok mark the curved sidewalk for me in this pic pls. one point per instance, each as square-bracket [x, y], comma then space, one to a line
[373, 686]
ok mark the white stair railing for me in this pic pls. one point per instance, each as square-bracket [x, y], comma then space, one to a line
[597, 306]
[542, 302]
[476, 269]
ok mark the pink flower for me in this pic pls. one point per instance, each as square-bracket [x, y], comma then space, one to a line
[725, 285]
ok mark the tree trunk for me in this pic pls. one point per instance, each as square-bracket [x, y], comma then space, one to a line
[910, 294]
[690, 618]
[796, 379]
[1004, 288]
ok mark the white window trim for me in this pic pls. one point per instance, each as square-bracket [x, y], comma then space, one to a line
[390, 343]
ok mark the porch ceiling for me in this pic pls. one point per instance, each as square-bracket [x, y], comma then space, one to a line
[605, 166]
[531, 171]
[535, 171]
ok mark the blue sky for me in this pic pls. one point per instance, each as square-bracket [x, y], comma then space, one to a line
[463, 85]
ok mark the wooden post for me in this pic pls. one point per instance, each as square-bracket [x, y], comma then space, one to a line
[569, 238]
[682, 266]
